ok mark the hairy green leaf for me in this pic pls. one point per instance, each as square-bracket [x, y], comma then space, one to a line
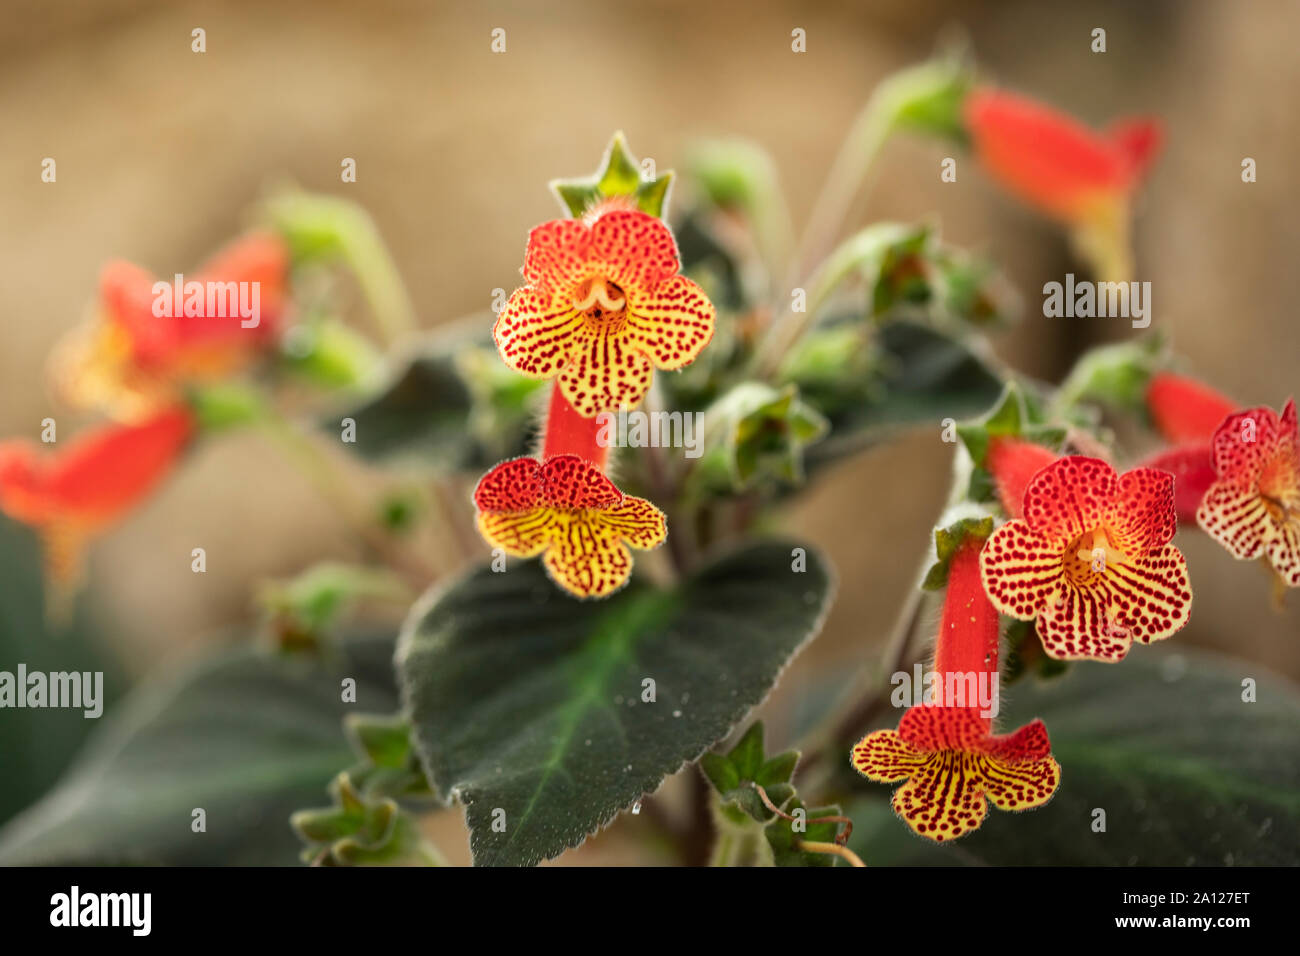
[531, 707]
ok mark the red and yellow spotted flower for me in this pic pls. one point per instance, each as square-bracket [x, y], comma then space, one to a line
[1253, 506]
[132, 360]
[602, 306]
[1091, 560]
[953, 767]
[946, 751]
[1053, 162]
[568, 510]
[75, 492]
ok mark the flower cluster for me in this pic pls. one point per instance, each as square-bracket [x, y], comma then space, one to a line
[136, 361]
[603, 304]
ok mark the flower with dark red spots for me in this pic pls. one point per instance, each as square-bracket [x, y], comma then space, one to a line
[602, 306]
[1053, 162]
[1253, 506]
[146, 344]
[946, 751]
[567, 510]
[1091, 561]
[954, 767]
[77, 491]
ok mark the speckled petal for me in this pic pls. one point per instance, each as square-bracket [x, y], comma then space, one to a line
[672, 323]
[1069, 496]
[605, 372]
[885, 757]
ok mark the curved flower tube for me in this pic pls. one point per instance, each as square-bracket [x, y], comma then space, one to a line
[602, 306]
[76, 492]
[1253, 506]
[1091, 561]
[1056, 164]
[1013, 462]
[953, 764]
[1187, 413]
[1184, 410]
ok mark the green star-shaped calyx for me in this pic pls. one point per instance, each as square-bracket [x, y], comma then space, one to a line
[619, 175]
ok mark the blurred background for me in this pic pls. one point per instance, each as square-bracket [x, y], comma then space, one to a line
[160, 152]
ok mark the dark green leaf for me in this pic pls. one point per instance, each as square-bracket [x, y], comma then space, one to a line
[36, 745]
[420, 417]
[453, 406]
[248, 737]
[528, 702]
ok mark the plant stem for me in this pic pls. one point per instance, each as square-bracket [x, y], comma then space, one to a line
[664, 491]
[831, 848]
[726, 850]
[841, 838]
[859, 150]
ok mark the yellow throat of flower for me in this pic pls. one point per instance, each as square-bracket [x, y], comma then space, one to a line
[600, 300]
[1091, 554]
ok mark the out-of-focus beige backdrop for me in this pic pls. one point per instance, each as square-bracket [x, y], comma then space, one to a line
[159, 151]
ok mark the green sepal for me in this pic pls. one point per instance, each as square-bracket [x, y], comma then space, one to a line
[948, 539]
[757, 433]
[1009, 418]
[360, 830]
[389, 766]
[929, 97]
[330, 354]
[907, 271]
[619, 175]
[383, 739]
[783, 841]
[227, 405]
[1114, 375]
[734, 774]
[304, 610]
